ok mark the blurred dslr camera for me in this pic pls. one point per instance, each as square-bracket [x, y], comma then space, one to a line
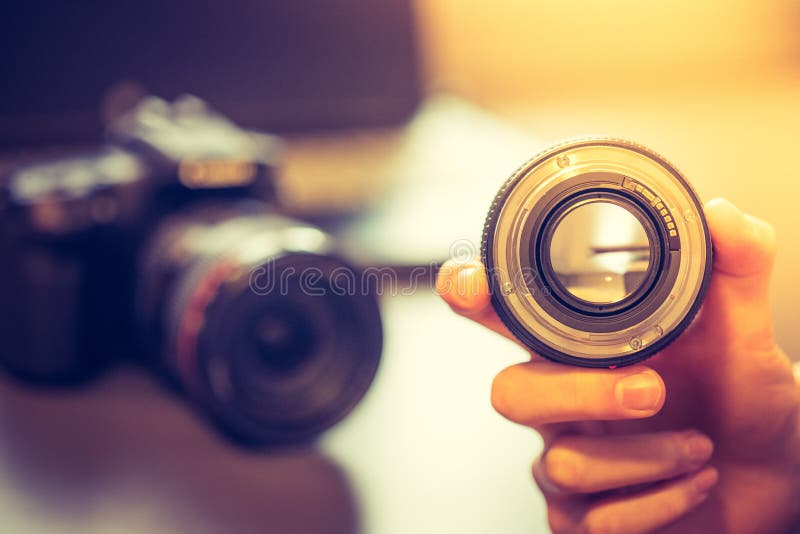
[166, 246]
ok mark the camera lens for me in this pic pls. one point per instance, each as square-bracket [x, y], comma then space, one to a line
[597, 252]
[284, 339]
[244, 311]
[605, 264]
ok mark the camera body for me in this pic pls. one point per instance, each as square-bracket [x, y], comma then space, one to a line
[71, 231]
[145, 249]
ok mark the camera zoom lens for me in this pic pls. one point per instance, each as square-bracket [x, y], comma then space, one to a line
[242, 310]
[597, 252]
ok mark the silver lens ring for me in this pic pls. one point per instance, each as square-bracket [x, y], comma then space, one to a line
[562, 279]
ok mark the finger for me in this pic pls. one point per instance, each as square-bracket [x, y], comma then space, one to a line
[744, 246]
[539, 392]
[744, 251]
[465, 288]
[590, 464]
[638, 513]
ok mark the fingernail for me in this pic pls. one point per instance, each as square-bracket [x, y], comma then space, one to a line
[731, 211]
[698, 447]
[466, 285]
[465, 275]
[641, 391]
[705, 480]
[726, 204]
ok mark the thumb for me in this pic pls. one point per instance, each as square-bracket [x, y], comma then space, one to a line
[744, 251]
[744, 246]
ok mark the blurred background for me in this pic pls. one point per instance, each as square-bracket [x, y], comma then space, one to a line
[401, 119]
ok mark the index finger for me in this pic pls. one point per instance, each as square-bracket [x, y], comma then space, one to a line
[538, 393]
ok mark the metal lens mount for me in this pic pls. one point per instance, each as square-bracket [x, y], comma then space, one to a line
[597, 253]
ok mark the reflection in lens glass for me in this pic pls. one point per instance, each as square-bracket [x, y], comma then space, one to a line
[600, 252]
[285, 340]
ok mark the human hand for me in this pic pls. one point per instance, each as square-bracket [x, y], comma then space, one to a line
[702, 437]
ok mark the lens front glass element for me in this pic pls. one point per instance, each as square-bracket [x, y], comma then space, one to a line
[285, 339]
[600, 252]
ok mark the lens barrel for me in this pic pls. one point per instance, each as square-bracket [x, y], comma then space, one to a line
[245, 312]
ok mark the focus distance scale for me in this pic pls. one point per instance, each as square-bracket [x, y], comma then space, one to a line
[597, 253]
